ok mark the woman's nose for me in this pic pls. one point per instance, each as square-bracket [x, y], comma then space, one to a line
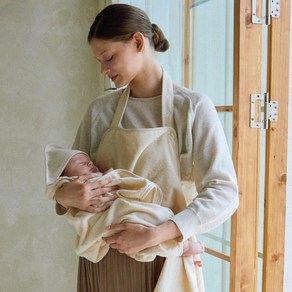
[90, 163]
[104, 69]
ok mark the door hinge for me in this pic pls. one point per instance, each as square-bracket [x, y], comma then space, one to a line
[262, 110]
[272, 10]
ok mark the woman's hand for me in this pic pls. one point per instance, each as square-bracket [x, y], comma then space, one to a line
[130, 238]
[85, 195]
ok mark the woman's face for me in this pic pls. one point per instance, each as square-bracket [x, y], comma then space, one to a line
[120, 60]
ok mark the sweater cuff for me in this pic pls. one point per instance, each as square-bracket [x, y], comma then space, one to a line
[188, 223]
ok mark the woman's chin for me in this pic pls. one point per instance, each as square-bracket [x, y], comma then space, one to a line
[120, 84]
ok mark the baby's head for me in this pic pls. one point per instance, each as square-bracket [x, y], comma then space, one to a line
[66, 162]
[79, 164]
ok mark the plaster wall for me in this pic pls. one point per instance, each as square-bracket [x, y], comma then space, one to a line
[48, 77]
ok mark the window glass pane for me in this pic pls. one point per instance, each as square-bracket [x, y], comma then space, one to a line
[262, 156]
[216, 273]
[211, 31]
[226, 119]
[218, 239]
[211, 72]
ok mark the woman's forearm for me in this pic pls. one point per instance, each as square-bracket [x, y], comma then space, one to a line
[166, 231]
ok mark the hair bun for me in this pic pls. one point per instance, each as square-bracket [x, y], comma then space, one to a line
[161, 44]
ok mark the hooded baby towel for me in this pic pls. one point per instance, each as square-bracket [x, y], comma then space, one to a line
[56, 159]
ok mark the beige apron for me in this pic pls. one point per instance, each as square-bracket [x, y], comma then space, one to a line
[148, 152]
[151, 153]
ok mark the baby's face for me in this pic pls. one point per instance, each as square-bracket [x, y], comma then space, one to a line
[79, 164]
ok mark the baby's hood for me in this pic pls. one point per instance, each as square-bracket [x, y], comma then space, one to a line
[56, 159]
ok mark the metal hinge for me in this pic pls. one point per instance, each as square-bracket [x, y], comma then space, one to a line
[272, 10]
[262, 110]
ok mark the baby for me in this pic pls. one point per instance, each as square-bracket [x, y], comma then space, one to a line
[139, 201]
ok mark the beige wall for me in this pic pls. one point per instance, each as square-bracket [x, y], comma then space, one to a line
[47, 79]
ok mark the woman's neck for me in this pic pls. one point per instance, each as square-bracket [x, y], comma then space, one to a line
[149, 82]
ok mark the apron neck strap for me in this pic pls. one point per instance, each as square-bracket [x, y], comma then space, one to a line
[167, 103]
[121, 107]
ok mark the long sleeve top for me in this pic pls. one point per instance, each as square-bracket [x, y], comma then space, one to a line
[204, 154]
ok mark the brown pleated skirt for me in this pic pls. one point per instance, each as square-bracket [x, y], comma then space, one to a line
[117, 272]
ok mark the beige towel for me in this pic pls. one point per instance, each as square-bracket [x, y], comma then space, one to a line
[135, 204]
[139, 202]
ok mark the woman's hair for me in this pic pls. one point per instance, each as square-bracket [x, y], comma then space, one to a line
[118, 22]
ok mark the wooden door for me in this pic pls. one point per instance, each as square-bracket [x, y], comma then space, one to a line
[255, 260]
[276, 152]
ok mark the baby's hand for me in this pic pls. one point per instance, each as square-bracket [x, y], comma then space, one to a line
[191, 248]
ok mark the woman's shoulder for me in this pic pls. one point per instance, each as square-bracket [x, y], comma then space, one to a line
[107, 98]
[103, 105]
[183, 95]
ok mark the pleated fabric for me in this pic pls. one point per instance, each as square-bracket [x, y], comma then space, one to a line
[117, 272]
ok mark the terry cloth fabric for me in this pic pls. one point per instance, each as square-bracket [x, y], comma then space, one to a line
[56, 159]
[139, 202]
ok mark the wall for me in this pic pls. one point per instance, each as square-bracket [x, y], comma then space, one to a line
[48, 77]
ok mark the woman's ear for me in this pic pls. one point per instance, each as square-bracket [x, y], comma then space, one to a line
[139, 41]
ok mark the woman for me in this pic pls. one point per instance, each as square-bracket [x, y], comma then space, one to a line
[157, 130]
